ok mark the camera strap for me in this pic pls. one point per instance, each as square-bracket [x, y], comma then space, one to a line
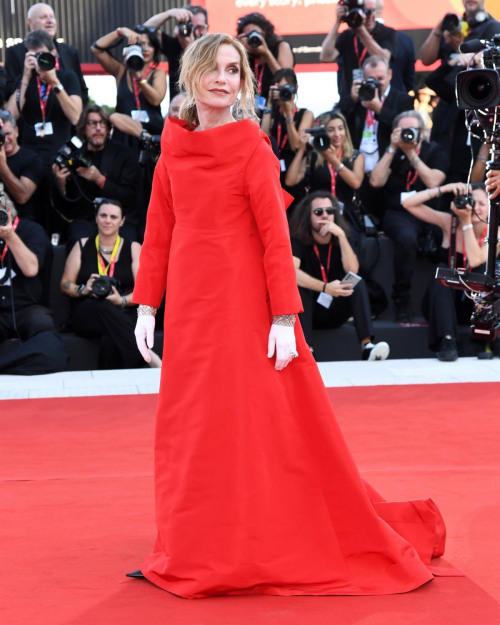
[137, 89]
[108, 270]
[356, 49]
[333, 174]
[324, 274]
[259, 74]
[281, 144]
[6, 247]
[43, 93]
[410, 180]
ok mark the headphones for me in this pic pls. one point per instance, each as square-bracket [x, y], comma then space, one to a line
[479, 18]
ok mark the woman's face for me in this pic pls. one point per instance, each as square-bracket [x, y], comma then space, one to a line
[336, 131]
[109, 219]
[221, 85]
[147, 49]
[318, 221]
[481, 207]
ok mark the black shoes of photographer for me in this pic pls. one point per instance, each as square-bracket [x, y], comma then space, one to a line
[377, 351]
[403, 312]
[135, 574]
[447, 351]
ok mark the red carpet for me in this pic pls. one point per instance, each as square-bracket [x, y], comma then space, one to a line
[76, 509]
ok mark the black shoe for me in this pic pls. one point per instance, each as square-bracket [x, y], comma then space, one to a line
[136, 574]
[377, 351]
[403, 312]
[447, 351]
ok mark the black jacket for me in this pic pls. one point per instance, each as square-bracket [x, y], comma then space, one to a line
[2, 85]
[355, 114]
[68, 60]
[119, 165]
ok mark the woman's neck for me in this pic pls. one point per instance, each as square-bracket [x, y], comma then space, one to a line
[107, 240]
[209, 117]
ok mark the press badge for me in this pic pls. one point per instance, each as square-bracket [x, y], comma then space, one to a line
[282, 165]
[43, 129]
[260, 102]
[406, 194]
[3, 271]
[325, 300]
[140, 116]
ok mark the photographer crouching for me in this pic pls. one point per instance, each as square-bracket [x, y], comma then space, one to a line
[326, 266]
[99, 277]
[89, 166]
[23, 249]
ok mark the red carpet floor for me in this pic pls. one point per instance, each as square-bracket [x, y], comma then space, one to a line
[76, 510]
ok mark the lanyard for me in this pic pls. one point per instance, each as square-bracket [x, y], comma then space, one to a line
[259, 75]
[370, 115]
[6, 247]
[324, 273]
[410, 180]
[137, 89]
[281, 144]
[334, 174]
[356, 49]
[110, 269]
[46, 89]
[481, 241]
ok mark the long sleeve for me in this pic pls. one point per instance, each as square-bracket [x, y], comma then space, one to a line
[262, 185]
[151, 277]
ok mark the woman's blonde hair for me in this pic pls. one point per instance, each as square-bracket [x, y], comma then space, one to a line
[201, 57]
[347, 147]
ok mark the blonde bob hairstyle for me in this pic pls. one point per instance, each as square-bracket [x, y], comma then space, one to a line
[201, 57]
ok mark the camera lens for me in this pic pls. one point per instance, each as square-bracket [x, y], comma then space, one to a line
[480, 89]
[46, 61]
[101, 287]
[4, 217]
[185, 29]
[254, 39]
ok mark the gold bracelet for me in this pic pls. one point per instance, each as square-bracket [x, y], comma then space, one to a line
[284, 320]
[142, 309]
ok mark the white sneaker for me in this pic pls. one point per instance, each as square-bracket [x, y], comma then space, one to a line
[377, 351]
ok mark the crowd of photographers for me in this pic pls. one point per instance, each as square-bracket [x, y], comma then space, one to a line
[72, 174]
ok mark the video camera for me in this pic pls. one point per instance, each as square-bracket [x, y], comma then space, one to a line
[319, 140]
[368, 88]
[69, 155]
[355, 12]
[478, 91]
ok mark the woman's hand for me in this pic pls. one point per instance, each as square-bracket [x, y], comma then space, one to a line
[88, 287]
[261, 50]
[288, 107]
[114, 297]
[331, 157]
[281, 341]
[132, 37]
[304, 140]
[330, 226]
[464, 214]
[338, 289]
[493, 183]
[458, 188]
[145, 335]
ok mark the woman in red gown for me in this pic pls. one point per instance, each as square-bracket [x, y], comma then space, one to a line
[256, 490]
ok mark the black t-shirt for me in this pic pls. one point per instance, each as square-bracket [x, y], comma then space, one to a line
[28, 164]
[47, 146]
[386, 38]
[310, 264]
[27, 291]
[172, 49]
[402, 177]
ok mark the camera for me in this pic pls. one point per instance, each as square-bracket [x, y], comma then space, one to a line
[452, 23]
[319, 140]
[355, 12]
[68, 155]
[103, 286]
[479, 89]
[254, 39]
[150, 147]
[461, 201]
[367, 89]
[409, 135]
[46, 61]
[2, 138]
[185, 29]
[286, 92]
[133, 57]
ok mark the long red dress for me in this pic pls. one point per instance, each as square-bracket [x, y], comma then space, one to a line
[256, 491]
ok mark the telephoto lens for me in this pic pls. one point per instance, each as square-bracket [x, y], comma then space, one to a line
[4, 217]
[103, 286]
[452, 23]
[254, 39]
[367, 89]
[185, 29]
[409, 135]
[286, 92]
[134, 60]
[46, 61]
[461, 201]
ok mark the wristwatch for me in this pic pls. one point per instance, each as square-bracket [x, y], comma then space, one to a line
[390, 150]
[337, 169]
[58, 88]
[80, 290]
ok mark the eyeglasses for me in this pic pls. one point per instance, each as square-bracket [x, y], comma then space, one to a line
[93, 123]
[141, 29]
[319, 211]
[368, 12]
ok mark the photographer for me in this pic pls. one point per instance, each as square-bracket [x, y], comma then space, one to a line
[111, 171]
[409, 164]
[282, 120]
[41, 16]
[192, 24]
[268, 53]
[443, 307]
[339, 169]
[23, 249]
[2, 85]
[99, 277]
[322, 256]
[139, 93]
[175, 105]
[20, 168]
[357, 42]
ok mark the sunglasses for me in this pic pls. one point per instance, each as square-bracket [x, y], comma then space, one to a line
[141, 29]
[319, 211]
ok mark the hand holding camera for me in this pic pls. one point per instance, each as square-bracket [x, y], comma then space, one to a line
[255, 43]
[6, 230]
[406, 139]
[29, 65]
[92, 174]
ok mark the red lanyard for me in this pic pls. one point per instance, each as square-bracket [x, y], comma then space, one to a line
[410, 180]
[48, 88]
[334, 173]
[481, 241]
[259, 75]
[324, 273]
[137, 89]
[370, 115]
[356, 49]
[6, 247]
[281, 145]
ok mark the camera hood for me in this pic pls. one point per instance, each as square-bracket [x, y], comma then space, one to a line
[478, 89]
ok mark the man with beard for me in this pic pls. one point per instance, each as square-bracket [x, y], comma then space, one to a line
[109, 169]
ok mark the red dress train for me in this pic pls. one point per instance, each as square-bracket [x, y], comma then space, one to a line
[256, 490]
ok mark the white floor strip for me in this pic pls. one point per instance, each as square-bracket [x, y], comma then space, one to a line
[335, 374]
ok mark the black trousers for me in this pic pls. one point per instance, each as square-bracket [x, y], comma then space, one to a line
[98, 318]
[318, 317]
[42, 349]
[404, 229]
[444, 309]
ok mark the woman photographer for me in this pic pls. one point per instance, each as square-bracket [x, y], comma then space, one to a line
[139, 93]
[93, 313]
[444, 307]
[271, 55]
